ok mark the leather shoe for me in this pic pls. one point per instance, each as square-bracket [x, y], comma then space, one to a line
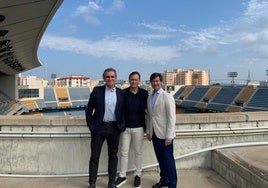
[160, 184]
[92, 186]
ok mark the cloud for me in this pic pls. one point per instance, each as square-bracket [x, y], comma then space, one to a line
[157, 27]
[91, 11]
[87, 12]
[246, 34]
[90, 8]
[256, 7]
[151, 36]
[91, 19]
[116, 6]
[115, 48]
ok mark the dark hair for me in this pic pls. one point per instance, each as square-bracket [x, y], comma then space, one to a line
[108, 70]
[155, 75]
[133, 73]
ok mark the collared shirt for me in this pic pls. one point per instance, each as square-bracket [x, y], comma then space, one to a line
[110, 103]
[134, 111]
[154, 97]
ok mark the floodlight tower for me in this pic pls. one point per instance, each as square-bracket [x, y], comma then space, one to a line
[232, 75]
[249, 79]
[53, 77]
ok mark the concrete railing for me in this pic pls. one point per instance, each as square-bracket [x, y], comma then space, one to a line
[60, 146]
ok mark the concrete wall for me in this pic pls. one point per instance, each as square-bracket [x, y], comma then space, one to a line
[9, 85]
[60, 145]
[234, 166]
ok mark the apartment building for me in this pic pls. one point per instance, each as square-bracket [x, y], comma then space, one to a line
[186, 77]
[72, 81]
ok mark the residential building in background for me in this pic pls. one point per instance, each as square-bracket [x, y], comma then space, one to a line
[72, 81]
[31, 87]
[185, 77]
[31, 81]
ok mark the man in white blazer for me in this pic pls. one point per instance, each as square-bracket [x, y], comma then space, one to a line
[161, 130]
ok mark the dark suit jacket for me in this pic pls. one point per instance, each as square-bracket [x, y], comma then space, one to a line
[96, 107]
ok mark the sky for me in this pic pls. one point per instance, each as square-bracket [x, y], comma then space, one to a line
[218, 36]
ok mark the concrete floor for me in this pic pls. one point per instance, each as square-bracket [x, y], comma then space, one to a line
[200, 178]
[256, 157]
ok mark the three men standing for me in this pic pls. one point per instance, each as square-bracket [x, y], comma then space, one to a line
[107, 109]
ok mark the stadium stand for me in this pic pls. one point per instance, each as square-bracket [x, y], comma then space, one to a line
[79, 96]
[177, 95]
[259, 99]
[197, 93]
[49, 94]
[59, 101]
[50, 98]
[189, 99]
[186, 92]
[188, 104]
[9, 106]
[62, 96]
[30, 104]
[222, 98]
[40, 103]
[61, 93]
[211, 93]
[245, 95]
[226, 95]
[217, 107]
[233, 108]
[201, 105]
[179, 92]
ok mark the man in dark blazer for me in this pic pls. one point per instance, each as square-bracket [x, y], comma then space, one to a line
[105, 120]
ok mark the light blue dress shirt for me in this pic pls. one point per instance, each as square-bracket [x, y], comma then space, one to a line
[154, 97]
[110, 103]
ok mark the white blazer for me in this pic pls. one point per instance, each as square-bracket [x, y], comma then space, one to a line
[162, 118]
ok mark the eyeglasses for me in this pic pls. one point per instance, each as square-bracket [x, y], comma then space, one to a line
[109, 76]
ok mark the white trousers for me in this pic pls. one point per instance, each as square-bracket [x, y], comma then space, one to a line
[131, 137]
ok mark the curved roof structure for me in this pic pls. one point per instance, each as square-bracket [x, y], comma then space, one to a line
[22, 24]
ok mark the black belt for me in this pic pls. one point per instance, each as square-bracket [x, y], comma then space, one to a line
[109, 123]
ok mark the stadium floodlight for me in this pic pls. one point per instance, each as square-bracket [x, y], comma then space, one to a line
[53, 76]
[232, 75]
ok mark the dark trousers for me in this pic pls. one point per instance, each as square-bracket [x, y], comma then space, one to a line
[164, 155]
[111, 134]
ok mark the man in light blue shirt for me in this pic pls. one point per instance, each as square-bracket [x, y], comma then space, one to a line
[105, 120]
